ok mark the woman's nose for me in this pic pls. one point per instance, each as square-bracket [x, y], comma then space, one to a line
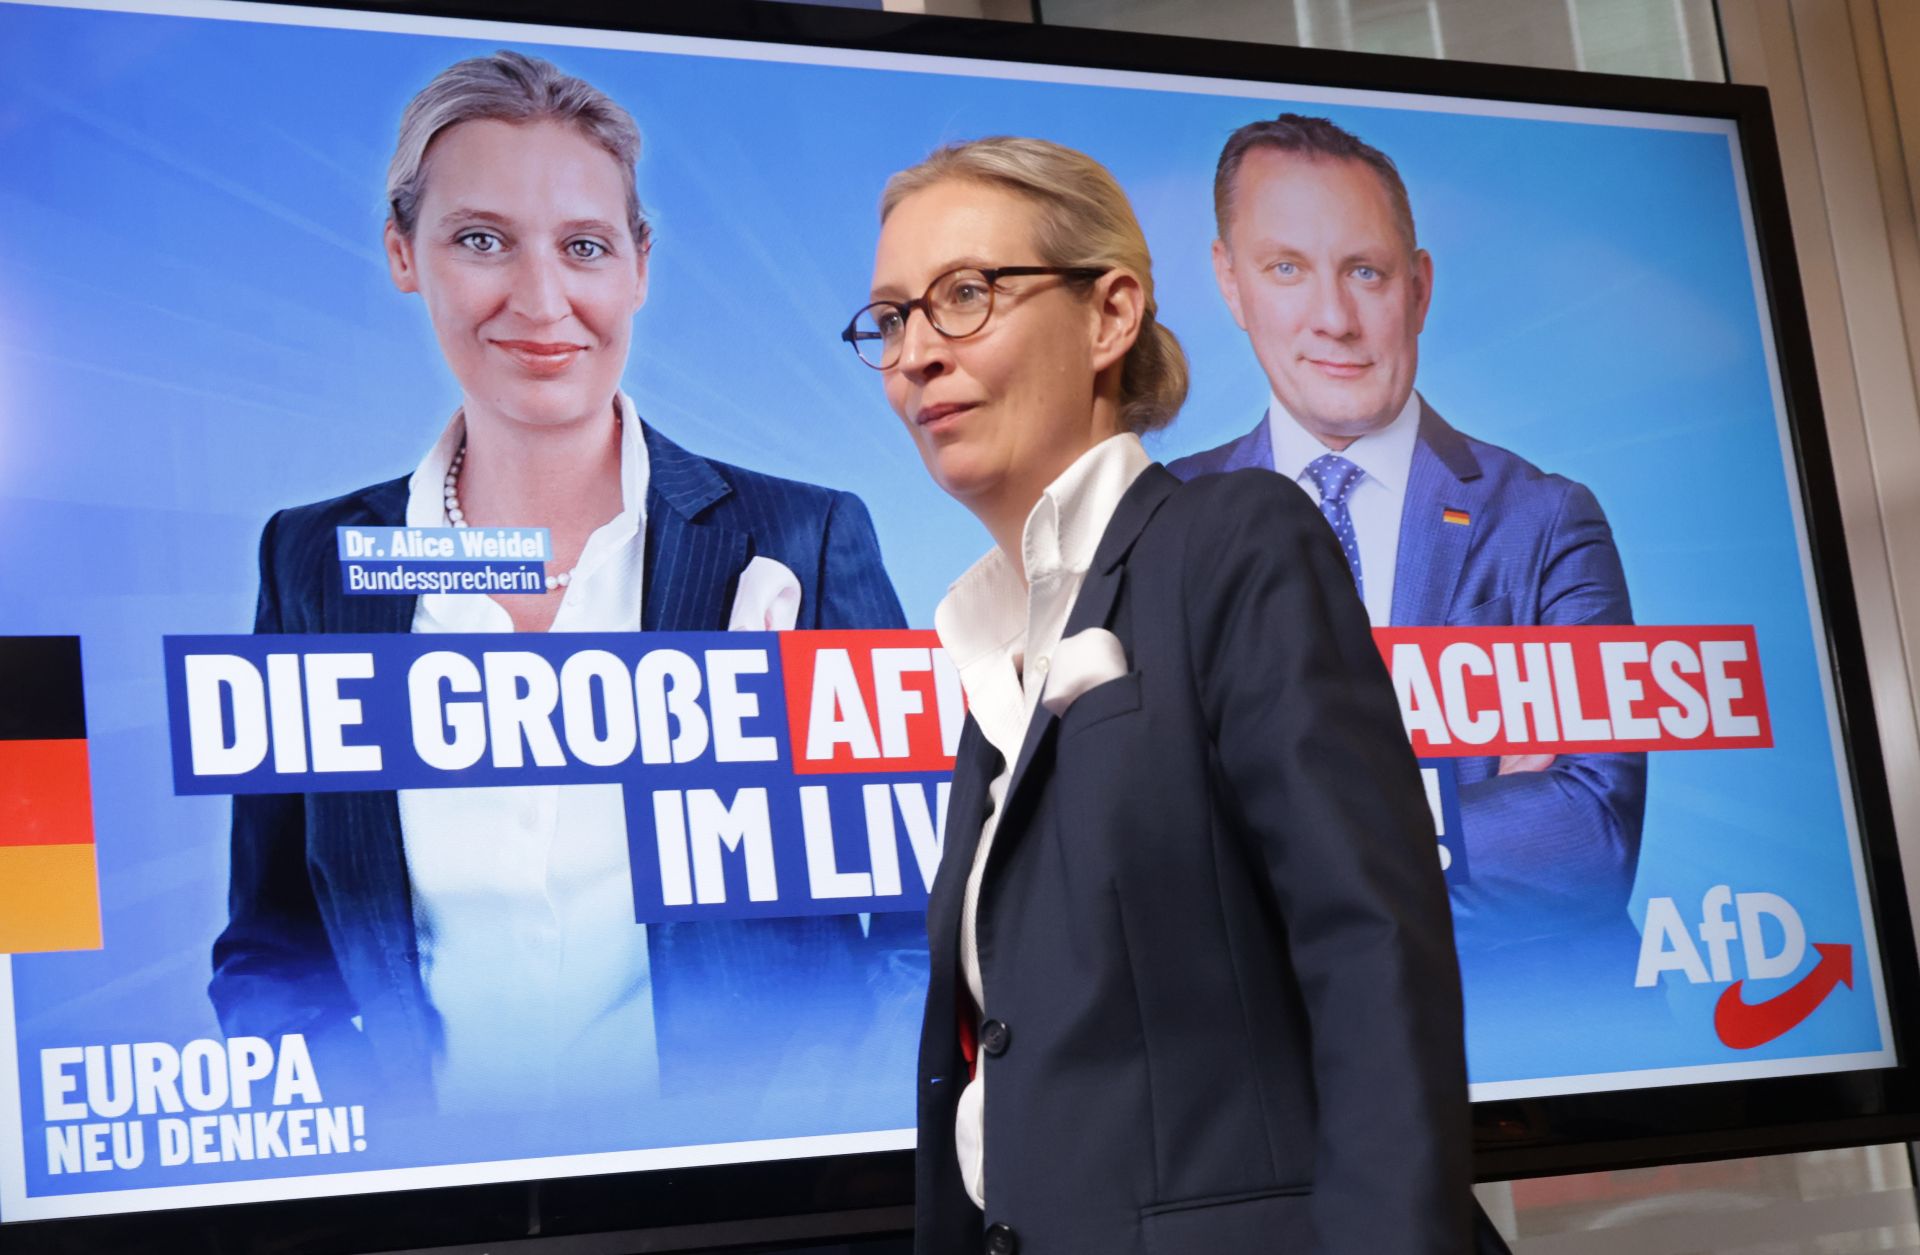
[540, 288]
[924, 352]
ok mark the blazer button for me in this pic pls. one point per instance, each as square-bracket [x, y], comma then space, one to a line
[995, 1037]
[1001, 1240]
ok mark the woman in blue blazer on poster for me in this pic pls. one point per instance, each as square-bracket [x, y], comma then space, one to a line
[1193, 987]
[475, 950]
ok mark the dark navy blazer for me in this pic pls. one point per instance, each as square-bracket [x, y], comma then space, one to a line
[1550, 850]
[1222, 1010]
[321, 927]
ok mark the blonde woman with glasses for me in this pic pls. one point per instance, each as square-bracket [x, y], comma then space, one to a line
[1193, 989]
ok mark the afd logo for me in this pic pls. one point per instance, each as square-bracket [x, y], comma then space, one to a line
[1757, 921]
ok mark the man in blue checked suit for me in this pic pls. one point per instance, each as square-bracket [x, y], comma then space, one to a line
[1318, 261]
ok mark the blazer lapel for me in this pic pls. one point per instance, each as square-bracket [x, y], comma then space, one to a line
[693, 562]
[387, 503]
[1444, 479]
[1094, 606]
[975, 764]
[355, 838]
[1253, 449]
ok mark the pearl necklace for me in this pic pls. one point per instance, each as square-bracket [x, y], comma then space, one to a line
[458, 517]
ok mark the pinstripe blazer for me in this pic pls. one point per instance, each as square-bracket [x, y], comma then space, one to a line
[1548, 851]
[320, 930]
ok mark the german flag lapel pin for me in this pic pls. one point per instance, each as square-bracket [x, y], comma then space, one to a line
[1457, 517]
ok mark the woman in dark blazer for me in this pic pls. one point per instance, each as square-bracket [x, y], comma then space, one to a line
[475, 949]
[1193, 987]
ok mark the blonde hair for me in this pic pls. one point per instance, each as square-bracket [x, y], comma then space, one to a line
[508, 87]
[1083, 218]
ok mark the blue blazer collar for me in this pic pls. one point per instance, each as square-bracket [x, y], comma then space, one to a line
[1441, 441]
[388, 502]
[693, 560]
[1445, 477]
[1253, 449]
[385, 506]
[677, 480]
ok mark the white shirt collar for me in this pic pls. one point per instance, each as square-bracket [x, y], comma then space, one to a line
[1385, 455]
[426, 489]
[606, 583]
[986, 608]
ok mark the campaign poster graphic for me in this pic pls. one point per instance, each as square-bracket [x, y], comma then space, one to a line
[360, 889]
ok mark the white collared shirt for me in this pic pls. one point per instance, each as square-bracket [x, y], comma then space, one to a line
[1376, 502]
[990, 622]
[522, 896]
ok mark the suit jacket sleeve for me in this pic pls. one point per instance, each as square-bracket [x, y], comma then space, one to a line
[1563, 842]
[1323, 784]
[854, 589]
[274, 970]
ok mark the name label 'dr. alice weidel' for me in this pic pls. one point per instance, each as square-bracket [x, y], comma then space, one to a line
[414, 560]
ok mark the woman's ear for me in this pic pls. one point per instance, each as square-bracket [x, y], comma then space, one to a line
[641, 271]
[1119, 307]
[400, 264]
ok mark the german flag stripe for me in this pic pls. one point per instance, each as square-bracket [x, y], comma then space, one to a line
[44, 798]
[49, 899]
[41, 698]
[49, 879]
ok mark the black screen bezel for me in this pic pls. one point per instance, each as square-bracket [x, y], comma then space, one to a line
[770, 1201]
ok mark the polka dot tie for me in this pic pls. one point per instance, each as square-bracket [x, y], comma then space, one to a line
[1336, 479]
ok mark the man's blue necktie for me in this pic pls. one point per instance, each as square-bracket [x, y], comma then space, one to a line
[1336, 479]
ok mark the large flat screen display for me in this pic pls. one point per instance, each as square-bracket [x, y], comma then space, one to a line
[312, 882]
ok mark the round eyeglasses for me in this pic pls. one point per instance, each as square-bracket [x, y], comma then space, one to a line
[957, 305]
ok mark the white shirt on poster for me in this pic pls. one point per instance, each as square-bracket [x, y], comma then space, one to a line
[1376, 502]
[1000, 632]
[522, 896]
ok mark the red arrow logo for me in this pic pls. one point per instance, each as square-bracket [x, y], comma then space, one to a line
[1744, 1026]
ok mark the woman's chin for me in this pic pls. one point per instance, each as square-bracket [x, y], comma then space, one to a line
[961, 475]
[550, 405]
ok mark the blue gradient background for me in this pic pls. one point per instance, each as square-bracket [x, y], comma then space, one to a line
[197, 328]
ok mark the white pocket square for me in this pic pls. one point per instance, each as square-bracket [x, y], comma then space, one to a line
[1083, 661]
[767, 599]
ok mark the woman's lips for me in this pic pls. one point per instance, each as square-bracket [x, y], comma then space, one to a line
[543, 358]
[934, 417]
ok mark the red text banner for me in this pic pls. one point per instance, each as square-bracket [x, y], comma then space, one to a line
[870, 701]
[1466, 691]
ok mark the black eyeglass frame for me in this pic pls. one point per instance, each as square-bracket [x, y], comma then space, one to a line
[924, 303]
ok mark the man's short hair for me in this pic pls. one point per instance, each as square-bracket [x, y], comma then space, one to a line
[1314, 139]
